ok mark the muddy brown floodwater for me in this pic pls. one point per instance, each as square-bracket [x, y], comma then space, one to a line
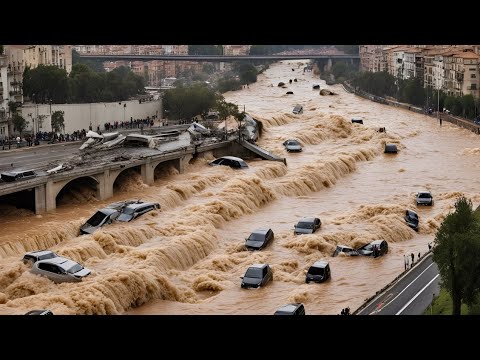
[188, 257]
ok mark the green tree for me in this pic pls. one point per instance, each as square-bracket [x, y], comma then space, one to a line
[228, 84]
[12, 106]
[58, 121]
[208, 68]
[187, 102]
[247, 73]
[457, 254]
[19, 123]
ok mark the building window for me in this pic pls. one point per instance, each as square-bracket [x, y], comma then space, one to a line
[473, 76]
[473, 87]
[472, 69]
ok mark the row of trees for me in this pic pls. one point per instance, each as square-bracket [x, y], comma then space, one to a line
[50, 83]
[457, 254]
[412, 91]
[188, 102]
[246, 73]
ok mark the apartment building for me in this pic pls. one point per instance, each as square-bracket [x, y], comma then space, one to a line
[236, 50]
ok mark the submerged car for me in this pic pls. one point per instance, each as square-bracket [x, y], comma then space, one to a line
[411, 218]
[133, 211]
[232, 161]
[307, 225]
[424, 198]
[40, 312]
[60, 269]
[390, 149]
[318, 272]
[291, 309]
[259, 238]
[292, 146]
[298, 109]
[256, 276]
[346, 250]
[375, 248]
[34, 256]
[101, 217]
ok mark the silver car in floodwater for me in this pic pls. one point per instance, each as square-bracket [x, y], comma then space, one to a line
[60, 269]
[424, 198]
[292, 145]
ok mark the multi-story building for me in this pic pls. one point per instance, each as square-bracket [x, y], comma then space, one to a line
[461, 73]
[236, 50]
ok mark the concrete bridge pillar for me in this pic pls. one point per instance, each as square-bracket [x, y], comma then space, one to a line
[104, 187]
[40, 199]
[50, 197]
[329, 64]
[148, 172]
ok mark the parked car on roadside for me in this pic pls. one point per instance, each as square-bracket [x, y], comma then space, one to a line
[60, 269]
[34, 256]
[232, 161]
[291, 309]
[100, 218]
[346, 250]
[256, 276]
[132, 211]
[318, 272]
[411, 218]
[424, 198]
[381, 248]
[307, 225]
[292, 145]
[259, 239]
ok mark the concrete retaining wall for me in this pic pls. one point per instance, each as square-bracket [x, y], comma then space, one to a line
[80, 116]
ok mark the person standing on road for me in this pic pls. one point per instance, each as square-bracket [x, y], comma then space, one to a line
[413, 258]
[405, 261]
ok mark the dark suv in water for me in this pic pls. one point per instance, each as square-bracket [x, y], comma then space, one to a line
[318, 272]
[411, 218]
[258, 239]
[307, 226]
[291, 309]
[256, 276]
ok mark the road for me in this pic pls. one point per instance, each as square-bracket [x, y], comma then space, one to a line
[411, 295]
[30, 157]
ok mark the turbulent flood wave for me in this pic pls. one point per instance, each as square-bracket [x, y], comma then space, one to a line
[184, 252]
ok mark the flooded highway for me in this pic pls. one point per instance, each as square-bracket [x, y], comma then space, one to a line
[188, 257]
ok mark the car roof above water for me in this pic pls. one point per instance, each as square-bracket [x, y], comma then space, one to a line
[258, 266]
[39, 252]
[307, 219]
[262, 231]
[320, 264]
[232, 158]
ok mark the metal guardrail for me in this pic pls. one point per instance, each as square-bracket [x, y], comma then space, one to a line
[391, 283]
